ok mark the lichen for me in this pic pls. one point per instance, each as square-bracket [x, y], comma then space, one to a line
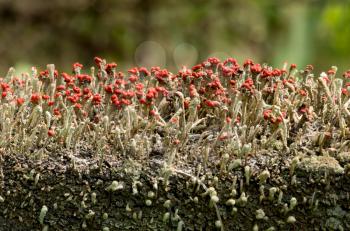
[321, 164]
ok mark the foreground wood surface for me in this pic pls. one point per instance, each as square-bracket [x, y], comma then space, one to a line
[262, 192]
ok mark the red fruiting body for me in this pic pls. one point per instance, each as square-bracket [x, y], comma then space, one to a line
[346, 74]
[55, 74]
[45, 97]
[57, 94]
[67, 93]
[98, 61]
[228, 71]
[43, 75]
[77, 65]
[302, 92]
[5, 87]
[162, 90]
[231, 61]
[153, 113]
[233, 82]
[256, 68]
[161, 75]
[279, 119]
[35, 98]
[51, 132]
[193, 90]
[96, 99]
[215, 84]
[248, 62]
[19, 101]
[118, 91]
[151, 93]
[125, 102]
[213, 60]
[77, 106]
[267, 114]
[344, 91]
[60, 88]
[197, 67]
[139, 86]
[174, 120]
[73, 99]
[266, 73]
[248, 84]
[303, 109]
[109, 88]
[186, 104]
[210, 103]
[110, 67]
[133, 78]
[56, 112]
[84, 78]
[144, 71]
[133, 71]
[238, 120]
[143, 101]
[120, 82]
[331, 72]
[154, 69]
[224, 136]
[114, 97]
[86, 91]
[67, 78]
[117, 103]
[276, 72]
[76, 90]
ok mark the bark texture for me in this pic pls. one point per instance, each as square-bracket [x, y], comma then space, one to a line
[262, 192]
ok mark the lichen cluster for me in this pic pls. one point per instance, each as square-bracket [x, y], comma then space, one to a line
[229, 140]
[219, 106]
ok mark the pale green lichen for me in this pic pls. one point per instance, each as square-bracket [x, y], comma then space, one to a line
[151, 194]
[42, 215]
[218, 224]
[230, 202]
[213, 200]
[167, 204]
[264, 176]
[115, 186]
[166, 217]
[90, 215]
[235, 164]
[272, 192]
[321, 164]
[291, 220]
[293, 202]
[259, 214]
[148, 202]
[343, 157]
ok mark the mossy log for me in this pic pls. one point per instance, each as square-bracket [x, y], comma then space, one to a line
[260, 192]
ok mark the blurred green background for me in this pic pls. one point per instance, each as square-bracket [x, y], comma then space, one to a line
[173, 33]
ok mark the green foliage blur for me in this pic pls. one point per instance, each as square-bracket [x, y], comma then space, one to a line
[174, 33]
